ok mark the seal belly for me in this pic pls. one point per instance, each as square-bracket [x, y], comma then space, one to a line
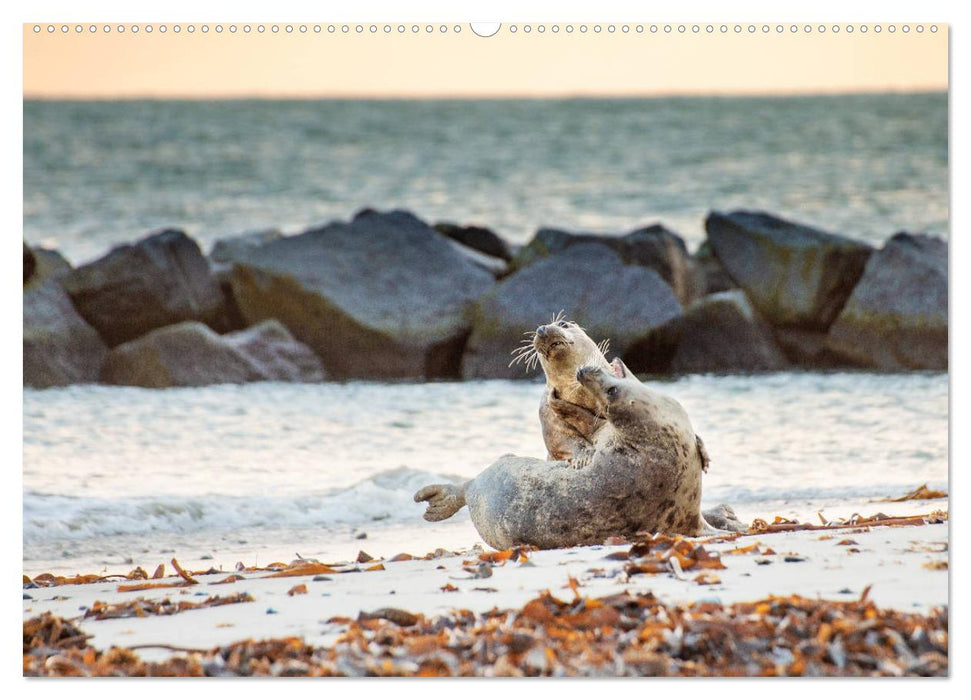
[521, 500]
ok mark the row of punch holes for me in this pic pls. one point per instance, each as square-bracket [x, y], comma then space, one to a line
[484, 30]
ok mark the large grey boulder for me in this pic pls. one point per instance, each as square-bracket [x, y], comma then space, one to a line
[160, 280]
[654, 247]
[896, 317]
[192, 354]
[719, 333]
[381, 296]
[477, 238]
[590, 283]
[59, 347]
[794, 274]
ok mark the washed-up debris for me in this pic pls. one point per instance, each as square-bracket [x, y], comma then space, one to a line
[619, 635]
[141, 607]
[48, 631]
[298, 567]
[781, 524]
[660, 554]
[398, 616]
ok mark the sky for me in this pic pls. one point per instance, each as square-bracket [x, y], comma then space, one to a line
[426, 65]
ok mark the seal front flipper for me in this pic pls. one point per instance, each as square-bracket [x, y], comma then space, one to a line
[444, 500]
[584, 421]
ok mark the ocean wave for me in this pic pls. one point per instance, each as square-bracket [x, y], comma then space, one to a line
[734, 495]
[385, 497]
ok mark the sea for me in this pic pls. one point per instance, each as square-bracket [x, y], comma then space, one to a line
[118, 477]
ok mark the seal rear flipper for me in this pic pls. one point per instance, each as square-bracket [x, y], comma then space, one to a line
[703, 453]
[444, 500]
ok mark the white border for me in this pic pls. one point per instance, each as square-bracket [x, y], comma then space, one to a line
[829, 11]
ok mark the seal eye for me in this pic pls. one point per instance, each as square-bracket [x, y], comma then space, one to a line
[613, 391]
[563, 324]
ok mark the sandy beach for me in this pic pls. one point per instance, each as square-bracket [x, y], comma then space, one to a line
[893, 561]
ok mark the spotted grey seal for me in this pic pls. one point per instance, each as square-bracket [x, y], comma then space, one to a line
[642, 472]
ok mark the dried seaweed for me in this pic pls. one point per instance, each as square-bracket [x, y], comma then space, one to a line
[619, 635]
[141, 607]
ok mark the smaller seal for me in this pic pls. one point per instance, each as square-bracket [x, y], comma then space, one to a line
[643, 473]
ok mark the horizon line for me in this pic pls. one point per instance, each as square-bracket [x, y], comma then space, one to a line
[498, 96]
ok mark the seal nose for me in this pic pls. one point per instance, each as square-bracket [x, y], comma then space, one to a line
[582, 372]
[541, 332]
